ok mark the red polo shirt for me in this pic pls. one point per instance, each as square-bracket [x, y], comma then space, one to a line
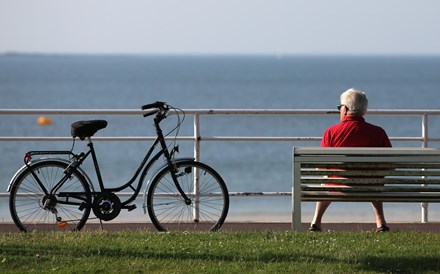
[353, 131]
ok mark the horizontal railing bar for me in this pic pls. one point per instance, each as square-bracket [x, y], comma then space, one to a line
[190, 138]
[70, 111]
[257, 194]
[232, 194]
[396, 112]
[122, 138]
[269, 138]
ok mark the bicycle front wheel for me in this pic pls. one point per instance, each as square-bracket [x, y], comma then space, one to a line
[204, 187]
[34, 208]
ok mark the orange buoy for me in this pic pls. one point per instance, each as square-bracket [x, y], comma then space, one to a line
[44, 121]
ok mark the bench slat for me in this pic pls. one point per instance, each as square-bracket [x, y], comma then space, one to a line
[368, 159]
[365, 151]
[369, 181]
[377, 165]
[419, 189]
[311, 196]
[370, 199]
[333, 172]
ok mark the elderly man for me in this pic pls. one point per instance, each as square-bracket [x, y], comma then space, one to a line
[353, 131]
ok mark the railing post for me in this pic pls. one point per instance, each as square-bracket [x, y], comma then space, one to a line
[196, 171]
[197, 137]
[424, 206]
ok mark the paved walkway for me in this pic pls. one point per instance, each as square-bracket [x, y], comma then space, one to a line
[259, 226]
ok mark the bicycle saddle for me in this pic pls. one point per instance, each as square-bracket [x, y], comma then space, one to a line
[84, 129]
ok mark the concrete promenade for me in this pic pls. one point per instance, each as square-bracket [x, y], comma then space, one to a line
[257, 226]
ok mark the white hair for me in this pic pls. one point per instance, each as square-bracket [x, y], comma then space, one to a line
[356, 101]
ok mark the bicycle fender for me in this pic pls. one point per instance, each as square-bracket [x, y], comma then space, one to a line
[24, 167]
[18, 173]
[147, 185]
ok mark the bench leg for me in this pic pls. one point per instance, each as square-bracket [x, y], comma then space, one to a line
[296, 197]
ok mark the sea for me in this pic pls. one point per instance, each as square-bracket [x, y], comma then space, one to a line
[44, 81]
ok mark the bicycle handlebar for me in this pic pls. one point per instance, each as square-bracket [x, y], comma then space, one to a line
[151, 113]
[157, 106]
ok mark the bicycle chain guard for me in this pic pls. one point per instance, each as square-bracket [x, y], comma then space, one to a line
[106, 206]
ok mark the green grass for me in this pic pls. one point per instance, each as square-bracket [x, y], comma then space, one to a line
[220, 252]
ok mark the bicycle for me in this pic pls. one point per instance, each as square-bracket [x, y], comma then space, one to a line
[53, 193]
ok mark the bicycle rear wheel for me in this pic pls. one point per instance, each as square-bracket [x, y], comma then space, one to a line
[33, 210]
[202, 184]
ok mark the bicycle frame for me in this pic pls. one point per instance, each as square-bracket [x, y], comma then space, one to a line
[143, 168]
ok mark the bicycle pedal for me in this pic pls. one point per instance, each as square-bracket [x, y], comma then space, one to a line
[131, 207]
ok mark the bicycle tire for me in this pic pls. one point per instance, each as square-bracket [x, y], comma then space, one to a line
[32, 210]
[167, 208]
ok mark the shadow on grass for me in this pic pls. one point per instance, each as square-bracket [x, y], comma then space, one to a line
[364, 264]
[400, 264]
[123, 254]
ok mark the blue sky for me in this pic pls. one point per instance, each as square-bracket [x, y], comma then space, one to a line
[221, 26]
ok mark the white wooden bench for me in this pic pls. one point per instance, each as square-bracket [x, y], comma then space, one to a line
[363, 175]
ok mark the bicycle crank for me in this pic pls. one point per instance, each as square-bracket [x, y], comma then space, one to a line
[106, 206]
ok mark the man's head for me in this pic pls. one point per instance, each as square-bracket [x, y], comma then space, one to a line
[353, 102]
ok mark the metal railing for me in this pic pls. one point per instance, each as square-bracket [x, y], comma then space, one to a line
[198, 136]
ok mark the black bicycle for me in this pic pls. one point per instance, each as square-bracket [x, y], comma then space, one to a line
[54, 193]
